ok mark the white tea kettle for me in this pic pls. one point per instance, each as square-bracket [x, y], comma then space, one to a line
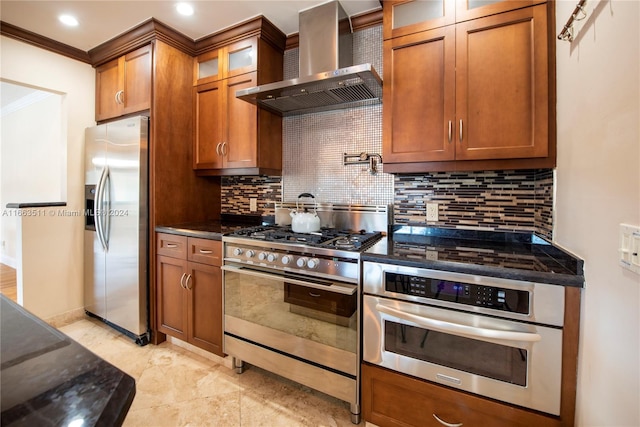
[303, 221]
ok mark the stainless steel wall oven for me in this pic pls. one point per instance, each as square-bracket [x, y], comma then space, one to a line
[495, 337]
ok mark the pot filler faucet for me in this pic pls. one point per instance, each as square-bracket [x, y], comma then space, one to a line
[356, 159]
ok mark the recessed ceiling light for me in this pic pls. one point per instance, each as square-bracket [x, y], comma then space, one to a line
[68, 20]
[184, 9]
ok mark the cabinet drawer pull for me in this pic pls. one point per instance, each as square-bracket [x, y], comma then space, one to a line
[206, 252]
[311, 294]
[186, 282]
[450, 131]
[444, 423]
[182, 284]
[171, 245]
[460, 130]
[218, 149]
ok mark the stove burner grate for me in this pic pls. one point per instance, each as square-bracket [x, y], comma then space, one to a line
[326, 237]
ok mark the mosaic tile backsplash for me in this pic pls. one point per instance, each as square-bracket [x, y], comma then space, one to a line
[492, 200]
[496, 200]
[313, 147]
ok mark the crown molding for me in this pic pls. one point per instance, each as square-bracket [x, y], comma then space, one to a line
[152, 29]
[17, 33]
[138, 36]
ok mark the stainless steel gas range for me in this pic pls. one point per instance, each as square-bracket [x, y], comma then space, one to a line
[291, 300]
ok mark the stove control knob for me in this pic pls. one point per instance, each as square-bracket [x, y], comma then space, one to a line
[262, 256]
[237, 251]
[250, 253]
[313, 263]
[272, 257]
[301, 262]
[286, 259]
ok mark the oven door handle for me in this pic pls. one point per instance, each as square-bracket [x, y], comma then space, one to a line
[458, 329]
[329, 287]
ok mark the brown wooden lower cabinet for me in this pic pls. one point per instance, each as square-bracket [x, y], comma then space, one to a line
[189, 294]
[393, 399]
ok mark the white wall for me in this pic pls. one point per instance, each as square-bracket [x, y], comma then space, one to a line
[598, 187]
[52, 248]
[39, 149]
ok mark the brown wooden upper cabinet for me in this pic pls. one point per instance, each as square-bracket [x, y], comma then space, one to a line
[226, 129]
[476, 90]
[123, 85]
[402, 17]
[229, 61]
[231, 136]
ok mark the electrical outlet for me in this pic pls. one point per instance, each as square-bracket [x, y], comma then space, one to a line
[432, 255]
[432, 211]
[253, 204]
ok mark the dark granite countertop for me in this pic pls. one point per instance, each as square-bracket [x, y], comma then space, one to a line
[47, 379]
[518, 256]
[212, 230]
[35, 205]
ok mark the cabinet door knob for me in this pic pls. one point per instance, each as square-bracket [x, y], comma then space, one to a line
[444, 423]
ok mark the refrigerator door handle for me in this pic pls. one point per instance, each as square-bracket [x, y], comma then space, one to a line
[106, 189]
[98, 209]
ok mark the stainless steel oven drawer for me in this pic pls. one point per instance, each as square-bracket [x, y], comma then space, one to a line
[515, 362]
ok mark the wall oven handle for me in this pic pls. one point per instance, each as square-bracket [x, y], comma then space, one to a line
[458, 329]
[444, 423]
[329, 287]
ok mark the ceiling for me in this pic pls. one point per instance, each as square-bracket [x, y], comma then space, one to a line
[100, 20]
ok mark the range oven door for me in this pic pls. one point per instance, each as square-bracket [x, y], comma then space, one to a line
[313, 320]
[515, 362]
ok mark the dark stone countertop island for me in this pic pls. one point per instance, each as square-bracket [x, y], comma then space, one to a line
[47, 379]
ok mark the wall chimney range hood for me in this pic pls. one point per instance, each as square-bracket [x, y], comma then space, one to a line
[328, 79]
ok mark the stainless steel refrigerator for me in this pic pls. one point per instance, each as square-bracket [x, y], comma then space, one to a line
[116, 225]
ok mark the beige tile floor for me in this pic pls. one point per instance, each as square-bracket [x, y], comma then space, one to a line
[177, 387]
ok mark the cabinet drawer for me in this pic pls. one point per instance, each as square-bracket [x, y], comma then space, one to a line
[205, 251]
[422, 402]
[171, 245]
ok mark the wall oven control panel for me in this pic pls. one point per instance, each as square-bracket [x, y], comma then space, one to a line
[512, 300]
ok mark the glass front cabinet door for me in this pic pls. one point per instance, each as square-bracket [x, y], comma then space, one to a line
[403, 17]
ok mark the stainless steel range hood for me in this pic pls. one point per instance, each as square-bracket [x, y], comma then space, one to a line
[328, 79]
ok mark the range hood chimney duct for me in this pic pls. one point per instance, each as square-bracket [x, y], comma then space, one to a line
[328, 79]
